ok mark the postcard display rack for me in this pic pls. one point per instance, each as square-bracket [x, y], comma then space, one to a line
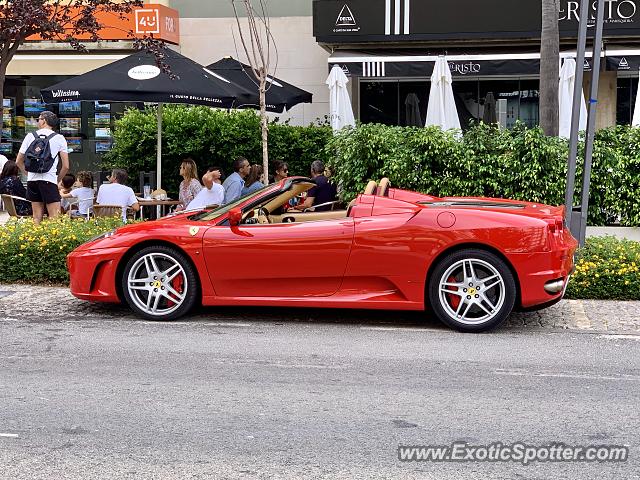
[8, 125]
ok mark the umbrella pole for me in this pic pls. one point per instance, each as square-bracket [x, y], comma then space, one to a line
[159, 149]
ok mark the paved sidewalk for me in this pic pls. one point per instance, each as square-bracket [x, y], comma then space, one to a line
[56, 303]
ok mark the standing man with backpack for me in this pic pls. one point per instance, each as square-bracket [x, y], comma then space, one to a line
[38, 157]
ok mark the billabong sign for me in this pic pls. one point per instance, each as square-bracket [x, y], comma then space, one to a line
[624, 64]
[65, 93]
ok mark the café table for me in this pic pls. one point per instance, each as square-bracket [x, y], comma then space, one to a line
[161, 206]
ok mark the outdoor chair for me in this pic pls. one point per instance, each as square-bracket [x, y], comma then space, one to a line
[106, 210]
[10, 206]
[76, 202]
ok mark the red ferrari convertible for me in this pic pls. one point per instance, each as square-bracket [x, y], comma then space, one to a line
[469, 261]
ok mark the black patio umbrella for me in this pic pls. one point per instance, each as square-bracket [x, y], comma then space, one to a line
[280, 95]
[136, 78]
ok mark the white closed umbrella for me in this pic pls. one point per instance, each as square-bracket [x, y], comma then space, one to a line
[636, 111]
[565, 99]
[340, 110]
[441, 110]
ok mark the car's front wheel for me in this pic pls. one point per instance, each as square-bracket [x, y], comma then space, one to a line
[472, 290]
[159, 283]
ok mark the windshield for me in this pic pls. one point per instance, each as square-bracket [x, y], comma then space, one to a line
[211, 214]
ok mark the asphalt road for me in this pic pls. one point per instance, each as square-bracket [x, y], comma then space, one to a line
[118, 398]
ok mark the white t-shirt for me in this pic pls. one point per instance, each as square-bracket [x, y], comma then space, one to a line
[213, 196]
[3, 160]
[116, 194]
[85, 198]
[57, 144]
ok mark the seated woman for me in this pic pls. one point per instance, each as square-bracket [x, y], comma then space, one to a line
[282, 171]
[190, 185]
[10, 184]
[252, 183]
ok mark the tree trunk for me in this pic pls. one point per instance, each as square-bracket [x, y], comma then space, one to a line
[264, 123]
[3, 74]
[550, 67]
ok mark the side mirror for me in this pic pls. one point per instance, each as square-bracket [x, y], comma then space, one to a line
[235, 217]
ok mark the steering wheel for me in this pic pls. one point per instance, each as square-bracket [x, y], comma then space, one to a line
[263, 216]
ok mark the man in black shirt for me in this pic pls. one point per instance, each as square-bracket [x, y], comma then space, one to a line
[322, 193]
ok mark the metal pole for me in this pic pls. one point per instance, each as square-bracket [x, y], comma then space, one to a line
[575, 114]
[591, 122]
[159, 149]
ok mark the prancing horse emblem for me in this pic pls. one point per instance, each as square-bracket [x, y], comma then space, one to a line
[194, 230]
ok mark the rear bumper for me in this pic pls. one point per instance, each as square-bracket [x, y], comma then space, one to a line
[93, 274]
[538, 270]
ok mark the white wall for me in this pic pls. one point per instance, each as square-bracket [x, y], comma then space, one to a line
[301, 61]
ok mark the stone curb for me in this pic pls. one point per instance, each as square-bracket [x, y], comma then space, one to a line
[594, 316]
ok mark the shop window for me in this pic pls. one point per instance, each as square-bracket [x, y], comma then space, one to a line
[87, 126]
[379, 103]
[500, 102]
[627, 91]
[414, 97]
[530, 103]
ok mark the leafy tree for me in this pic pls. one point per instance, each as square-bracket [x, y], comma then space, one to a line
[257, 42]
[62, 20]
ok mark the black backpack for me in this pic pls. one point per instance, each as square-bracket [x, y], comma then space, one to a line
[38, 155]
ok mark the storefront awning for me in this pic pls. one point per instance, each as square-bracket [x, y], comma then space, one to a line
[360, 64]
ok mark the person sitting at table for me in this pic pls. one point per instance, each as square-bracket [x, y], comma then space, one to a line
[116, 193]
[10, 184]
[190, 186]
[252, 183]
[323, 192]
[213, 191]
[64, 187]
[234, 182]
[84, 193]
[282, 171]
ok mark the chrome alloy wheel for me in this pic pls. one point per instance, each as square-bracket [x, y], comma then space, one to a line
[472, 291]
[157, 284]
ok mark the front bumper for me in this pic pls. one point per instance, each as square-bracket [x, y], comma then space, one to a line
[93, 273]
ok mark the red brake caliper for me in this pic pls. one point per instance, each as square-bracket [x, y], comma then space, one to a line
[177, 284]
[454, 300]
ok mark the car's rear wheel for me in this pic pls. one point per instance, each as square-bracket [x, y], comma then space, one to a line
[159, 283]
[472, 290]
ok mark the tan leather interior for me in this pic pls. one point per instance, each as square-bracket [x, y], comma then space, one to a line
[307, 216]
[370, 189]
[297, 217]
[383, 187]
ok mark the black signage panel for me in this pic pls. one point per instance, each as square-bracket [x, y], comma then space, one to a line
[459, 68]
[357, 21]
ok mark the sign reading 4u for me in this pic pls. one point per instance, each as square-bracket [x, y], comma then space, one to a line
[148, 20]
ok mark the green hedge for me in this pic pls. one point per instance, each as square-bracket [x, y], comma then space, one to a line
[37, 253]
[521, 163]
[210, 137]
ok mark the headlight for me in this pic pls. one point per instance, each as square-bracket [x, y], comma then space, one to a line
[101, 236]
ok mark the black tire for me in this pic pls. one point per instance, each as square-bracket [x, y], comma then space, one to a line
[173, 283]
[457, 293]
